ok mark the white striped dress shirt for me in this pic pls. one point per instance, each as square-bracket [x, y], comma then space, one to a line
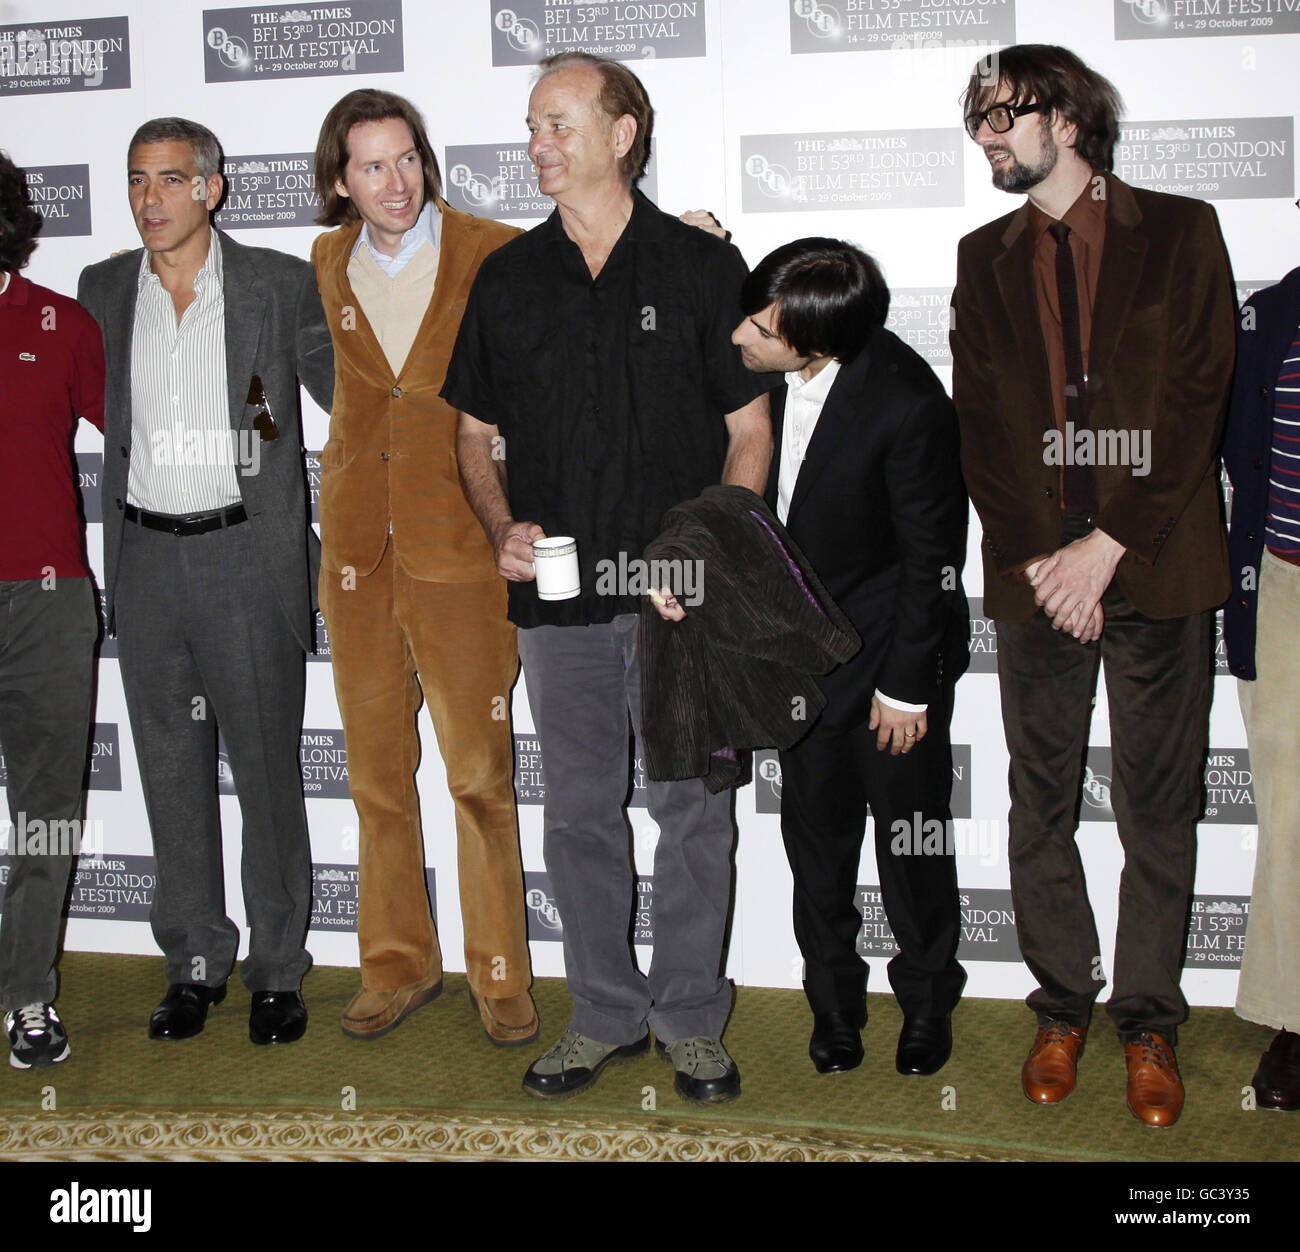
[182, 447]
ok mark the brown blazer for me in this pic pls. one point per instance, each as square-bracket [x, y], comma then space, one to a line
[1161, 358]
[391, 454]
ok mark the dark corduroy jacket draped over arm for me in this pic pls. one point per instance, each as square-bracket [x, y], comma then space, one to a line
[737, 673]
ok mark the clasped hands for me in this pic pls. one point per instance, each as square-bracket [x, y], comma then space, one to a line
[1069, 584]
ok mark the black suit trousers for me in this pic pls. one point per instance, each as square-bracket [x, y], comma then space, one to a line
[828, 779]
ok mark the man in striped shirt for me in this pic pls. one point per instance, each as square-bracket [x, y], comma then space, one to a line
[1262, 454]
[210, 567]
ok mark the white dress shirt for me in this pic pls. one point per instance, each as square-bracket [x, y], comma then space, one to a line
[803, 406]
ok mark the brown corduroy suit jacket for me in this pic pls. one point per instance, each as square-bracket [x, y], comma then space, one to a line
[391, 454]
[1163, 343]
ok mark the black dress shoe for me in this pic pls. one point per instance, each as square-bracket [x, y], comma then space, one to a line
[1277, 1080]
[836, 1044]
[277, 1017]
[924, 1045]
[184, 1010]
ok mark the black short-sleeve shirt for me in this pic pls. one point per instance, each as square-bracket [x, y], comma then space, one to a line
[610, 393]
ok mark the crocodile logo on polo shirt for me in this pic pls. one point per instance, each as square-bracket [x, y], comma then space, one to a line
[27, 356]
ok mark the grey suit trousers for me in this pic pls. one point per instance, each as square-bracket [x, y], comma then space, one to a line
[583, 684]
[203, 642]
[47, 641]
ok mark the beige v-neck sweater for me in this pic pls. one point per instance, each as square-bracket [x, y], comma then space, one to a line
[394, 307]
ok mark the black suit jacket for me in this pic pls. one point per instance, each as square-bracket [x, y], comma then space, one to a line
[276, 329]
[880, 512]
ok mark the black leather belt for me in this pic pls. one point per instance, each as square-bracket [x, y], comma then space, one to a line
[192, 524]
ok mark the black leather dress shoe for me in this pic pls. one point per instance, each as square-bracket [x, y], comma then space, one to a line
[924, 1045]
[277, 1017]
[836, 1044]
[184, 1010]
[1277, 1080]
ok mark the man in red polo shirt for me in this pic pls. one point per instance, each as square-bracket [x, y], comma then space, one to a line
[51, 371]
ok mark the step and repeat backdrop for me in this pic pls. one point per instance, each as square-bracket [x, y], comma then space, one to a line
[786, 118]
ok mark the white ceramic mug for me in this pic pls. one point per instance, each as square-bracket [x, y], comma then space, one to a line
[555, 560]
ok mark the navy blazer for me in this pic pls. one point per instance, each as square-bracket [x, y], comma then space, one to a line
[1263, 340]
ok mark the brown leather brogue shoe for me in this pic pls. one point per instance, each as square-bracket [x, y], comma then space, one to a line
[508, 1020]
[1049, 1072]
[1277, 1080]
[374, 1013]
[1155, 1088]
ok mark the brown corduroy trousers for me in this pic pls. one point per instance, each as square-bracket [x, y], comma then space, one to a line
[384, 630]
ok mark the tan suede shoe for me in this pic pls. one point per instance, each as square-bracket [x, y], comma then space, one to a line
[1155, 1087]
[374, 1013]
[1049, 1072]
[509, 1020]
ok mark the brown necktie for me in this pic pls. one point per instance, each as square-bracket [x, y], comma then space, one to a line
[1077, 482]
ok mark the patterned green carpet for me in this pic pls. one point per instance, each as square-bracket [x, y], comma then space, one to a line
[435, 1089]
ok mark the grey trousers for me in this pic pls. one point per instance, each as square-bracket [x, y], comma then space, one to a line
[203, 641]
[583, 683]
[47, 642]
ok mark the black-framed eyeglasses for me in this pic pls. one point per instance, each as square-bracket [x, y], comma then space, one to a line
[1000, 117]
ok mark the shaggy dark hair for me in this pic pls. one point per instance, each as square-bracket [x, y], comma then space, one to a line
[19, 222]
[1055, 78]
[369, 104]
[830, 297]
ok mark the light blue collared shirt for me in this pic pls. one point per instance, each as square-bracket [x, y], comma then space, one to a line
[427, 228]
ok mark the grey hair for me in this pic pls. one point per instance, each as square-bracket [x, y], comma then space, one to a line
[206, 146]
[621, 91]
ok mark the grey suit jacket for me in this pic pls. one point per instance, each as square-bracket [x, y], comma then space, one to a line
[276, 329]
